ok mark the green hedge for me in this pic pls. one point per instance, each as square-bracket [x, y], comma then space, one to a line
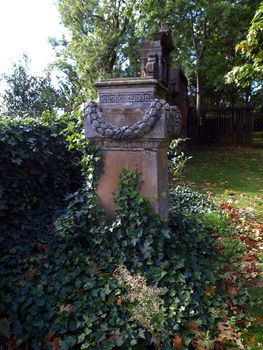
[70, 279]
[36, 173]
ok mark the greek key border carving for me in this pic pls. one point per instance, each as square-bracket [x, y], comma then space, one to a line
[126, 97]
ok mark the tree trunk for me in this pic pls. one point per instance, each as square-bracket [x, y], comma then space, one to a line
[198, 105]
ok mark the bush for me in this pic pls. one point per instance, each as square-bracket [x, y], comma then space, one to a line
[68, 294]
[36, 173]
[69, 278]
[177, 158]
[187, 201]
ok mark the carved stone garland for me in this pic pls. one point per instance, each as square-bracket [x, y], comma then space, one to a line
[172, 114]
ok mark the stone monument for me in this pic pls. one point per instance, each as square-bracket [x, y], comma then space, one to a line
[134, 124]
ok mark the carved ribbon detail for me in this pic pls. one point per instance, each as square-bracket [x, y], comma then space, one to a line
[157, 108]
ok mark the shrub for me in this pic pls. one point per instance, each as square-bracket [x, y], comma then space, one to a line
[177, 158]
[36, 173]
[66, 293]
[62, 280]
[42, 162]
[187, 201]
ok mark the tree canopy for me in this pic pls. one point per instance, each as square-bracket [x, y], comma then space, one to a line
[102, 37]
[205, 34]
[28, 95]
[104, 40]
[251, 70]
[105, 37]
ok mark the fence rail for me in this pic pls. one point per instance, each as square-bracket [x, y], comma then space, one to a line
[227, 124]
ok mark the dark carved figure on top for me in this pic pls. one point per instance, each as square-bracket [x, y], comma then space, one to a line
[155, 56]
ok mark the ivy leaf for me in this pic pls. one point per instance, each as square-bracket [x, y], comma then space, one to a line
[68, 343]
[4, 327]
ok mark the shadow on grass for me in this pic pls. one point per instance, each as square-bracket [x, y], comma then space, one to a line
[228, 173]
[234, 174]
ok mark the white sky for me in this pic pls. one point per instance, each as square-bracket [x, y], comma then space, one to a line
[25, 26]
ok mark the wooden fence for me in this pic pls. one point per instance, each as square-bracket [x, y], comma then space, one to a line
[227, 124]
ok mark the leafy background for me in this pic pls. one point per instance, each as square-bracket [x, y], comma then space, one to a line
[59, 287]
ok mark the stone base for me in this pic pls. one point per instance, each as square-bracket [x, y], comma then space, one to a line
[150, 161]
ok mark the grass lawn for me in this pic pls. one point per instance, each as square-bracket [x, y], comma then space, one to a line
[228, 173]
[258, 138]
[234, 174]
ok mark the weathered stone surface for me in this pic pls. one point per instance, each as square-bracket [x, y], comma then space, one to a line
[142, 146]
[155, 56]
[133, 124]
[159, 121]
[178, 96]
[149, 158]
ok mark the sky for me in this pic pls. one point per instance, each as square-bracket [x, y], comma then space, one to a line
[25, 26]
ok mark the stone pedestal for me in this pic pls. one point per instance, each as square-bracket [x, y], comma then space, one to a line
[125, 100]
[133, 125]
[149, 158]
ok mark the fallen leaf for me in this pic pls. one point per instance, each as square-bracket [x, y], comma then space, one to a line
[226, 332]
[241, 322]
[49, 336]
[56, 344]
[118, 300]
[177, 342]
[218, 345]
[192, 325]
[67, 308]
[203, 344]
[21, 283]
[11, 343]
[43, 248]
[30, 274]
[232, 290]
[210, 291]
[114, 335]
[209, 185]
[252, 340]
[258, 320]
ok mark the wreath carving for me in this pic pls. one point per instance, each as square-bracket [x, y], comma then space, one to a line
[157, 108]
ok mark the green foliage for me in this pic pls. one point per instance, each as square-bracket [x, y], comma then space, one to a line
[59, 287]
[67, 291]
[252, 50]
[27, 95]
[102, 39]
[34, 159]
[253, 336]
[187, 201]
[90, 160]
[39, 169]
[177, 158]
[106, 35]
[204, 33]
